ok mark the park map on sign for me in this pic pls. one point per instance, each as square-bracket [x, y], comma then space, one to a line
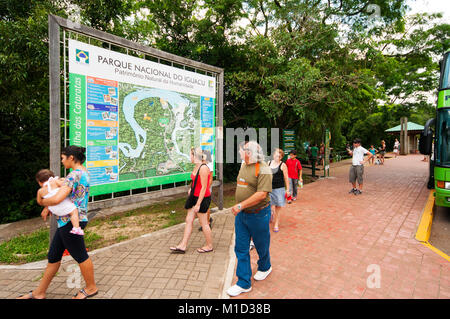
[157, 130]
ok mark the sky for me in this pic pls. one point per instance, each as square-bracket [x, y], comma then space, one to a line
[431, 6]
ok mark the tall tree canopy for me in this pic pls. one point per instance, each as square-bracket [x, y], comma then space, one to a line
[353, 66]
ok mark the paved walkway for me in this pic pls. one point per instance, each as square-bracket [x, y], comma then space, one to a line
[140, 268]
[329, 244]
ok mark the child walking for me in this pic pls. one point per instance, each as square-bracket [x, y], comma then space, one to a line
[294, 173]
[49, 187]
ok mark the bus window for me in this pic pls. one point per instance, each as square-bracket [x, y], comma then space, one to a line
[443, 138]
[445, 75]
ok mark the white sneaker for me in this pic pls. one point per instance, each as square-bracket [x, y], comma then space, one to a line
[235, 290]
[261, 275]
[77, 231]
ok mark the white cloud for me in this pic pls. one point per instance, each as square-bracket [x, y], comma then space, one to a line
[430, 6]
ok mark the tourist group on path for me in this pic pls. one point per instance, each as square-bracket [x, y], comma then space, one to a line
[261, 186]
[262, 190]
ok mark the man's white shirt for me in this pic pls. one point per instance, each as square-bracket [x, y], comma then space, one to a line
[358, 155]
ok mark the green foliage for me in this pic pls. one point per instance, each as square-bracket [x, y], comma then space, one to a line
[24, 104]
[304, 65]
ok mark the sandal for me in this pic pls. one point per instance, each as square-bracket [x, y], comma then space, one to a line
[30, 295]
[202, 250]
[276, 229]
[86, 294]
[176, 250]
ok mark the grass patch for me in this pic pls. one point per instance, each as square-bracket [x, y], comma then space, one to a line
[121, 238]
[91, 239]
[25, 248]
[34, 247]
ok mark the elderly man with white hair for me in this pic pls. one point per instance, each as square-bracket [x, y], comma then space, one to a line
[252, 211]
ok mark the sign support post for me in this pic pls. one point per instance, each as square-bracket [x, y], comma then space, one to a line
[54, 108]
[326, 160]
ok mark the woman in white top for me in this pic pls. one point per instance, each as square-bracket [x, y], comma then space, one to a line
[396, 147]
[357, 169]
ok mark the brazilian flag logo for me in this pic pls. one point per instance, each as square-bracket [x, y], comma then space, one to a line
[82, 56]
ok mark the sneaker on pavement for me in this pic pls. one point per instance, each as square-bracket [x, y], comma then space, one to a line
[352, 191]
[235, 290]
[358, 192]
[261, 275]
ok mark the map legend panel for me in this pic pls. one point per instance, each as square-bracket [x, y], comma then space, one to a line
[102, 123]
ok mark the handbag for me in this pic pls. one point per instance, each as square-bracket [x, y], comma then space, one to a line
[193, 185]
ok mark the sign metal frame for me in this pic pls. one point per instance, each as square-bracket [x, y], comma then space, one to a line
[60, 30]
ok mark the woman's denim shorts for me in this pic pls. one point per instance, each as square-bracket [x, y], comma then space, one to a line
[277, 197]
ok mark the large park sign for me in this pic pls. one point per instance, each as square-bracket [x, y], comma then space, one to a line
[137, 110]
[137, 119]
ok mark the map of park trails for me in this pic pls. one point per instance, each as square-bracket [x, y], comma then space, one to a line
[157, 130]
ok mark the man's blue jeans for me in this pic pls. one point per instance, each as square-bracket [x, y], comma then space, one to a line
[293, 183]
[251, 226]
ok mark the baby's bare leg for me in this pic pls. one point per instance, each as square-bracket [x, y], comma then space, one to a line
[74, 218]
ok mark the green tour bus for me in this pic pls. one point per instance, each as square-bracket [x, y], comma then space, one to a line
[440, 151]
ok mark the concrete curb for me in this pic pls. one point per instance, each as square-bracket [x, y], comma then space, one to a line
[229, 273]
[424, 228]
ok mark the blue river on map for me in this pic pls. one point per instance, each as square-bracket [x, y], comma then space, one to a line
[129, 104]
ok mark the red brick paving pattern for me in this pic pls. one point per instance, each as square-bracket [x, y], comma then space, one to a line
[328, 239]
